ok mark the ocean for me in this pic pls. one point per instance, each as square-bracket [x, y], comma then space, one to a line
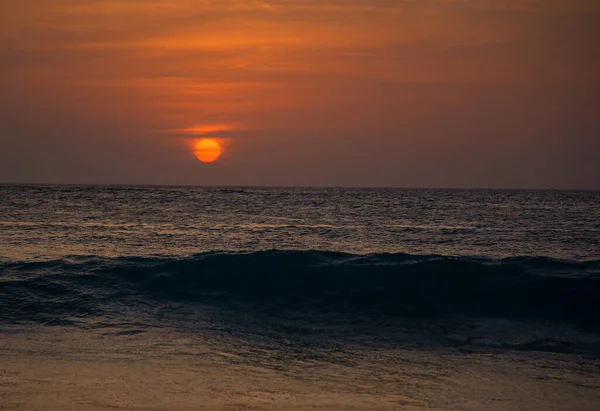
[202, 298]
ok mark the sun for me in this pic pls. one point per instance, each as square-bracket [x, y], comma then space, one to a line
[207, 150]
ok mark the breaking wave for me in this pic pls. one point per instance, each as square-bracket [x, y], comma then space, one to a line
[278, 283]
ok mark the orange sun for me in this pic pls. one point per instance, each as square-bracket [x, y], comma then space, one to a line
[207, 150]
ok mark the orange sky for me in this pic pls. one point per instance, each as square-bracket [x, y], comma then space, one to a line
[459, 93]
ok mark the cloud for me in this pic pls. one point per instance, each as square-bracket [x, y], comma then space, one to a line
[200, 130]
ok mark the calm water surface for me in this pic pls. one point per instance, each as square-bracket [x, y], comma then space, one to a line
[41, 222]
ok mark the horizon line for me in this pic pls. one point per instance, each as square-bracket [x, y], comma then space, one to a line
[294, 186]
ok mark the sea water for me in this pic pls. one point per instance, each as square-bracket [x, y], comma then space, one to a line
[298, 298]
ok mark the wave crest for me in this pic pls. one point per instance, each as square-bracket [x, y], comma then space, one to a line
[279, 282]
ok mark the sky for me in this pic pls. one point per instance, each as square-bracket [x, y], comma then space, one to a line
[395, 93]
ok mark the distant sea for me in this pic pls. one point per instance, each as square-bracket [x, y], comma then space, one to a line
[298, 298]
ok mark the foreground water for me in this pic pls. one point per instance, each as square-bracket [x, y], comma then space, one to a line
[207, 298]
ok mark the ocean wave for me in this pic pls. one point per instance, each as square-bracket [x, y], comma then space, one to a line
[277, 283]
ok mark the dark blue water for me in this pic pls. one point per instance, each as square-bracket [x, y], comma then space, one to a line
[518, 269]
